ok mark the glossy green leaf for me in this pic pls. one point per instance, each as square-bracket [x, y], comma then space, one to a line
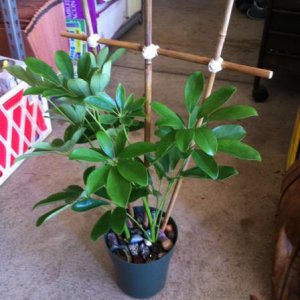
[117, 55]
[215, 100]
[97, 179]
[79, 87]
[55, 92]
[239, 150]
[138, 194]
[54, 198]
[99, 82]
[193, 117]
[195, 172]
[235, 132]
[86, 154]
[108, 119]
[64, 64]
[20, 73]
[102, 226]
[206, 140]
[87, 204]
[118, 219]
[87, 172]
[101, 101]
[206, 163]
[133, 171]
[69, 111]
[120, 142]
[34, 91]
[232, 113]
[165, 145]
[137, 149]
[226, 172]
[118, 188]
[41, 68]
[193, 90]
[120, 96]
[183, 138]
[102, 56]
[51, 214]
[106, 143]
[167, 117]
[85, 64]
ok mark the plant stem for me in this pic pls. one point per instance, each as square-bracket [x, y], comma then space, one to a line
[127, 232]
[150, 219]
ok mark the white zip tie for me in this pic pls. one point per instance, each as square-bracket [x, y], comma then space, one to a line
[149, 52]
[93, 40]
[215, 66]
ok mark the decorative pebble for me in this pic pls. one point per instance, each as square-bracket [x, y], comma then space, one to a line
[151, 257]
[167, 244]
[169, 228]
[112, 241]
[144, 251]
[136, 238]
[134, 249]
[136, 231]
[161, 235]
[171, 235]
[123, 253]
[147, 243]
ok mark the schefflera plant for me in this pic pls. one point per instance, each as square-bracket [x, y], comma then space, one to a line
[119, 177]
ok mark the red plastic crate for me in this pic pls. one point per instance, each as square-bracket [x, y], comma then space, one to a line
[24, 120]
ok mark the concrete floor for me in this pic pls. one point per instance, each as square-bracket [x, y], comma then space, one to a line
[227, 229]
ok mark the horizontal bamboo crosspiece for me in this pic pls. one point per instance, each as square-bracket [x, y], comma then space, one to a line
[226, 65]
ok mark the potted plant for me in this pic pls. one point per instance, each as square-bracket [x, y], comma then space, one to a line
[124, 171]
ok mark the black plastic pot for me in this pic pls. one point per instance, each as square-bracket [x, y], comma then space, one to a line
[142, 280]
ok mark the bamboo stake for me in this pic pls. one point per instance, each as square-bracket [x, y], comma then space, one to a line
[209, 87]
[148, 70]
[88, 21]
[230, 66]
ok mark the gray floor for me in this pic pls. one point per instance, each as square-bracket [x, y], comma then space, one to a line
[227, 229]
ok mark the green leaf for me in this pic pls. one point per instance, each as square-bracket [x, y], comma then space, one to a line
[167, 116]
[232, 113]
[79, 87]
[118, 219]
[102, 226]
[120, 142]
[117, 55]
[87, 172]
[133, 171]
[54, 92]
[101, 57]
[120, 96]
[165, 145]
[69, 111]
[206, 163]
[34, 91]
[226, 172]
[235, 132]
[206, 140]
[86, 154]
[138, 194]
[97, 179]
[105, 142]
[20, 73]
[64, 64]
[101, 101]
[183, 138]
[193, 117]
[216, 99]
[85, 64]
[137, 149]
[57, 197]
[108, 119]
[32, 154]
[87, 204]
[51, 214]
[41, 68]
[193, 90]
[99, 81]
[238, 149]
[118, 188]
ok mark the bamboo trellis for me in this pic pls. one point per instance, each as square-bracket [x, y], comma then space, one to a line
[225, 65]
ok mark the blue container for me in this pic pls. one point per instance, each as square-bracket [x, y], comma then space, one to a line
[142, 280]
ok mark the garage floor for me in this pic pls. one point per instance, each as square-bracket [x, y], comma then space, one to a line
[227, 229]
